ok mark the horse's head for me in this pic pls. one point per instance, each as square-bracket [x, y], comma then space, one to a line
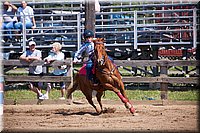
[99, 51]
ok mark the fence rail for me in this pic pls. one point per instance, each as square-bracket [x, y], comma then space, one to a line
[44, 78]
[162, 77]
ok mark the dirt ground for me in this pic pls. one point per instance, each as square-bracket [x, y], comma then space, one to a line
[172, 116]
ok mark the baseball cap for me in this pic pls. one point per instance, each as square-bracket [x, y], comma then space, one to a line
[31, 43]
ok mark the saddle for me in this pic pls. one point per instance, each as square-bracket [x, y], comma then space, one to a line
[83, 72]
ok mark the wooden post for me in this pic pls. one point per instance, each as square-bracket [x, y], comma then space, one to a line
[90, 15]
[154, 52]
[163, 85]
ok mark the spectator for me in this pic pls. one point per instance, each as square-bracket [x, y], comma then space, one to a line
[25, 12]
[56, 54]
[30, 55]
[9, 19]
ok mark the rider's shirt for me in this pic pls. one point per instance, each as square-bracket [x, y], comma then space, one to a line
[87, 48]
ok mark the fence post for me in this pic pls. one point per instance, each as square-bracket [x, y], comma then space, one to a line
[90, 15]
[135, 30]
[163, 85]
[24, 34]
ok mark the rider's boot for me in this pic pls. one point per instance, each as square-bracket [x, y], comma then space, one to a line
[94, 81]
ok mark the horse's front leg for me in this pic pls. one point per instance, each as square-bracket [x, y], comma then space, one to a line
[123, 99]
[122, 90]
[126, 102]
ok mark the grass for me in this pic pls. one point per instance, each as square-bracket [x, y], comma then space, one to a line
[191, 95]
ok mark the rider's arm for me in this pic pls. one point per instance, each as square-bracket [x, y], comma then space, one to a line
[80, 51]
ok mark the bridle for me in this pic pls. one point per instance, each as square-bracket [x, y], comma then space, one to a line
[102, 60]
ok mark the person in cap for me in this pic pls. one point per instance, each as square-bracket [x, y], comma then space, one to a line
[56, 54]
[29, 55]
[87, 49]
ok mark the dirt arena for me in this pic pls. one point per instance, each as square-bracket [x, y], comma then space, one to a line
[151, 116]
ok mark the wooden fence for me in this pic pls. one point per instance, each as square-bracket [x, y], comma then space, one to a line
[162, 77]
[9, 64]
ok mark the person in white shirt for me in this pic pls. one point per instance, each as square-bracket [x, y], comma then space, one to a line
[56, 54]
[9, 19]
[29, 55]
[27, 13]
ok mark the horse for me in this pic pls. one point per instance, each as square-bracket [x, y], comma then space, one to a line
[81, 82]
[108, 75]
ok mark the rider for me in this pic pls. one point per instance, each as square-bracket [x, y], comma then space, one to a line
[88, 50]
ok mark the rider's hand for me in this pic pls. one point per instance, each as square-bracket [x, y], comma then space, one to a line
[76, 60]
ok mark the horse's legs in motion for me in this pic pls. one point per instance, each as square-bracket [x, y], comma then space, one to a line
[122, 90]
[89, 99]
[70, 89]
[123, 99]
[99, 95]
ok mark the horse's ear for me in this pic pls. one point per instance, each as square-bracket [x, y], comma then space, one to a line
[94, 40]
[102, 39]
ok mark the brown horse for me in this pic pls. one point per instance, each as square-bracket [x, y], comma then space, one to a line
[82, 82]
[107, 73]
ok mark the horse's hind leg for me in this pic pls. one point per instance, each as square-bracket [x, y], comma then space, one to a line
[99, 95]
[89, 99]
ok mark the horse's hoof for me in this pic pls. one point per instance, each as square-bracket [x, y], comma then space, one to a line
[99, 111]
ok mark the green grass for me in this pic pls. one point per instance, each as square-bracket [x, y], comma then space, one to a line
[191, 95]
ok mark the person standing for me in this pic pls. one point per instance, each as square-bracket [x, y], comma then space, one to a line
[25, 12]
[28, 56]
[9, 19]
[56, 54]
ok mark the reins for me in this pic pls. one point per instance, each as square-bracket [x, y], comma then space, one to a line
[109, 72]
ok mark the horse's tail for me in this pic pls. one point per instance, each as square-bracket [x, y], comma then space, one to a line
[73, 86]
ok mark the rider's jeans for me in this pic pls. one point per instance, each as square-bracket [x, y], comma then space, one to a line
[89, 67]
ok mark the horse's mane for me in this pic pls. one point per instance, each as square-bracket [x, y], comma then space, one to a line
[99, 41]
